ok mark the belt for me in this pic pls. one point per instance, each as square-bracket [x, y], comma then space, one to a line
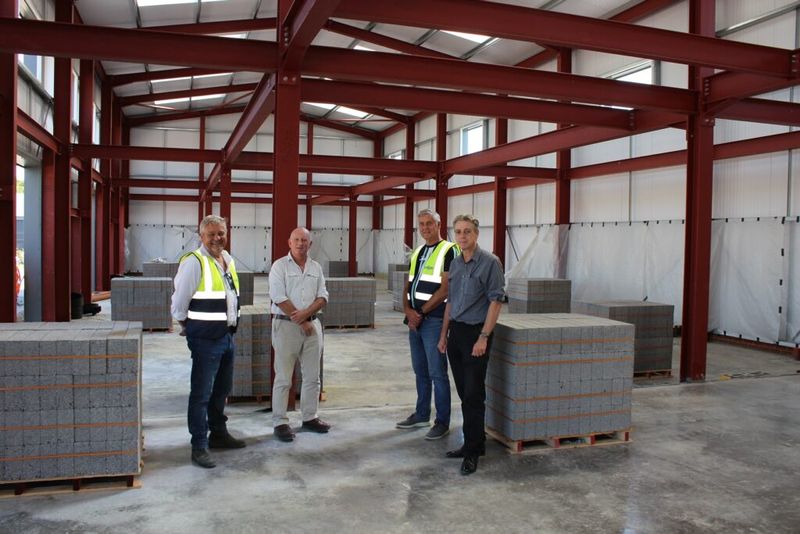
[287, 318]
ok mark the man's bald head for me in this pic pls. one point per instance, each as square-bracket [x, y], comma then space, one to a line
[299, 244]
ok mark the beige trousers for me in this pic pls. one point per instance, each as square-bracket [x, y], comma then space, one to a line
[291, 344]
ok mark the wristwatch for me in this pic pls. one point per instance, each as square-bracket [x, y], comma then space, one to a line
[485, 335]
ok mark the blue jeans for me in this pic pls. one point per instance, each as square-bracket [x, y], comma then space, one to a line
[430, 368]
[212, 380]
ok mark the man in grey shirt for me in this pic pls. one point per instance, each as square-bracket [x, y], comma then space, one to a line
[297, 290]
[474, 297]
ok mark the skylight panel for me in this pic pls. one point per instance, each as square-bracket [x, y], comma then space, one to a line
[234, 35]
[360, 47]
[171, 101]
[165, 80]
[474, 37]
[149, 3]
[353, 112]
[207, 97]
[200, 76]
[320, 105]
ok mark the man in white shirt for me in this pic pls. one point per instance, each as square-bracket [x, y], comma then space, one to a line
[297, 290]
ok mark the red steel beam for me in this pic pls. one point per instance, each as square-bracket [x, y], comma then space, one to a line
[325, 199]
[187, 93]
[573, 31]
[734, 85]
[632, 14]
[339, 126]
[85, 131]
[571, 137]
[124, 79]
[383, 185]
[363, 94]
[500, 198]
[8, 175]
[356, 65]
[140, 120]
[145, 153]
[383, 40]
[36, 132]
[441, 194]
[135, 46]
[352, 234]
[224, 26]
[408, 212]
[234, 200]
[763, 111]
[300, 26]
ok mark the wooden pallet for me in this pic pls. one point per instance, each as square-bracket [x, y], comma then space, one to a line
[238, 399]
[69, 485]
[661, 373]
[561, 442]
[348, 326]
[158, 330]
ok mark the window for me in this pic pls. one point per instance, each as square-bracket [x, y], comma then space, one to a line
[397, 155]
[33, 64]
[644, 72]
[473, 138]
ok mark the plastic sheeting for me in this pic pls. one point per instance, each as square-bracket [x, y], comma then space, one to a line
[755, 268]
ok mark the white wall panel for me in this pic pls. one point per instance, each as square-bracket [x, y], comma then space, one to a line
[658, 194]
[521, 207]
[794, 192]
[755, 186]
[483, 208]
[777, 32]
[726, 131]
[426, 128]
[666, 140]
[546, 203]
[601, 152]
[600, 199]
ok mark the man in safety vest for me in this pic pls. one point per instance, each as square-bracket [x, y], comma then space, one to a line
[424, 302]
[206, 304]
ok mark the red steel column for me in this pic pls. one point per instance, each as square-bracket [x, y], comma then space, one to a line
[441, 179]
[125, 174]
[352, 267]
[563, 157]
[201, 171]
[225, 201]
[117, 247]
[62, 129]
[500, 197]
[699, 189]
[377, 209]
[86, 127]
[48, 228]
[309, 174]
[103, 198]
[408, 218]
[8, 174]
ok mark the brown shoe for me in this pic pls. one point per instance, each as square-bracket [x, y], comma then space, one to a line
[317, 425]
[284, 433]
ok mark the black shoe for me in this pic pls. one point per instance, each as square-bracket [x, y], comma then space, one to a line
[469, 465]
[202, 458]
[459, 453]
[225, 441]
[284, 433]
[317, 425]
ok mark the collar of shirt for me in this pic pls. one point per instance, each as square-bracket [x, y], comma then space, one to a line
[476, 256]
[225, 256]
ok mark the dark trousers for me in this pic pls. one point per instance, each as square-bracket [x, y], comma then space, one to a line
[212, 380]
[469, 375]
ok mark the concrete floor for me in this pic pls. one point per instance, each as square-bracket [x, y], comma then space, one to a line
[710, 457]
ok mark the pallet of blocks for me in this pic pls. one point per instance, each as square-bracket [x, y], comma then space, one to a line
[391, 279]
[142, 299]
[351, 302]
[559, 378]
[160, 269]
[539, 295]
[252, 368]
[652, 352]
[246, 281]
[337, 269]
[71, 405]
[398, 284]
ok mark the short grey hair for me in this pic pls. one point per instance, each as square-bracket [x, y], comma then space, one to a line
[468, 218]
[216, 220]
[430, 213]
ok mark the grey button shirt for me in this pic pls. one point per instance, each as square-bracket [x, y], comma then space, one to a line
[287, 281]
[473, 285]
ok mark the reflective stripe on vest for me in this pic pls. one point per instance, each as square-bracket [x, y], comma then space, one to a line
[430, 276]
[209, 300]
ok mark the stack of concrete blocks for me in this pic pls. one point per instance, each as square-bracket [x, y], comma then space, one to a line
[142, 299]
[160, 269]
[252, 370]
[539, 295]
[337, 269]
[351, 302]
[393, 268]
[246, 281]
[71, 400]
[399, 278]
[559, 375]
[654, 326]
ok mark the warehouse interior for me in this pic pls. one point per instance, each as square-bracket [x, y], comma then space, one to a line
[643, 150]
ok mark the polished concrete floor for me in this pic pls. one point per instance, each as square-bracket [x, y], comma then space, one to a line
[719, 456]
